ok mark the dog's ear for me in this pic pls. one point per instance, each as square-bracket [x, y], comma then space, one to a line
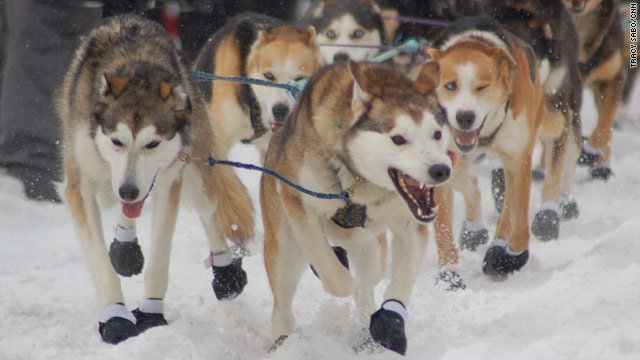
[428, 79]
[309, 37]
[499, 54]
[166, 89]
[113, 85]
[434, 54]
[265, 37]
[364, 90]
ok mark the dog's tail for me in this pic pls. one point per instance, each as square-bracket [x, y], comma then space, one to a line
[234, 212]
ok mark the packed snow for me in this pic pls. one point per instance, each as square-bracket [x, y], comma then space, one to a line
[577, 298]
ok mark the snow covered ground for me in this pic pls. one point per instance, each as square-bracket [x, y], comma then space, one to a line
[578, 298]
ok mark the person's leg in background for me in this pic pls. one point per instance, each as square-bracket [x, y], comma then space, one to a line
[41, 38]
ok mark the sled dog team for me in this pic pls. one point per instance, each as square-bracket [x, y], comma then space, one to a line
[397, 143]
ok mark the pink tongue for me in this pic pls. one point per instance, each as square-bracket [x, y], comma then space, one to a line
[132, 210]
[410, 182]
[465, 137]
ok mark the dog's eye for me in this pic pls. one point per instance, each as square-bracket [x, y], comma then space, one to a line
[152, 145]
[450, 86]
[437, 135]
[269, 76]
[398, 140]
[482, 87]
[357, 34]
[299, 78]
[117, 142]
[331, 34]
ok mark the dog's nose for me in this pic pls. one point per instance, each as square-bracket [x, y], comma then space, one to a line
[340, 58]
[440, 172]
[465, 119]
[280, 111]
[128, 192]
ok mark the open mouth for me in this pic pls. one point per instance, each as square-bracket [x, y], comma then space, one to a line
[132, 210]
[418, 196]
[275, 125]
[466, 140]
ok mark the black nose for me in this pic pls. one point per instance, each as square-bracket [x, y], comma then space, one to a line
[440, 172]
[128, 192]
[465, 119]
[340, 58]
[280, 111]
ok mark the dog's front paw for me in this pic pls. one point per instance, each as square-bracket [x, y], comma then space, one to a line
[117, 329]
[230, 280]
[546, 225]
[453, 279]
[601, 171]
[387, 326]
[570, 210]
[145, 320]
[588, 156]
[126, 257]
[341, 254]
[538, 174]
[498, 263]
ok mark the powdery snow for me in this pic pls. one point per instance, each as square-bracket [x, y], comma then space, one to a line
[578, 298]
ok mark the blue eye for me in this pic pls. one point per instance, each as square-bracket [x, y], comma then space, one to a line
[331, 34]
[450, 86]
[269, 76]
[357, 34]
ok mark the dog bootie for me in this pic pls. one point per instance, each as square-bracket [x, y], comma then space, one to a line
[341, 253]
[230, 280]
[126, 257]
[473, 235]
[453, 279]
[500, 261]
[387, 326]
[589, 155]
[546, 223]
[601, 171]
[117, 330]
[145, 320]
[569, 208]
[537, 174]
[497, 188]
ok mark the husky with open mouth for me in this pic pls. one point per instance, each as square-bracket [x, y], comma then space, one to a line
[130, 113]
[367, 129]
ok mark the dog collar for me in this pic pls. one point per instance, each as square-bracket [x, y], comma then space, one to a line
[486, 141]
[256, 118]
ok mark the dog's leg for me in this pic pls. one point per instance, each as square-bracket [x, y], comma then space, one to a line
[125, 252]
[388, 323]
[448, 257]
[474, 233]
[308, 230]
[607, 96]
[509, 250]
[118, 324]
[166, 201]
[285, 264]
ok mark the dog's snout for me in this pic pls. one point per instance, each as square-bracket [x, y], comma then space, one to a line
[280, 111]
[340, 58]
[465, 119]
[440, 172]
[128, 192]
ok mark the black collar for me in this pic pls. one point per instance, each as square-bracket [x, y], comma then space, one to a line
[486, 141]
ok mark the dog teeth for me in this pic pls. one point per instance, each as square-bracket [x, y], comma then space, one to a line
[422, 186]
[420, 212]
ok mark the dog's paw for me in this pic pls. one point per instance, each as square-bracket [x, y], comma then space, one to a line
[276, 344]
[145, 320]
[126, 257]
[341, 253]
[546, 225]
[497, 188]
[498, 263]
[230, 280]
[453, 279]
[117, 329]
[601, 171]
[588, 156]
[471, 239]
[570, 210]
[537, 174]
[387, 327]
